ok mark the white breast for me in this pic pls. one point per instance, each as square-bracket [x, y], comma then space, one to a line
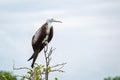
[48, 29]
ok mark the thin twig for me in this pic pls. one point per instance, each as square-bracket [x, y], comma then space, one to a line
[62, 64]
[14, 68]
[57, 70]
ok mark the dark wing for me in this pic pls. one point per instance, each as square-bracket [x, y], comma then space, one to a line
[37, 42]
[38, 38]
[33, 43]
[51, 34]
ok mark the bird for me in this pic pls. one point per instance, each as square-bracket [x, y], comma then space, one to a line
[43, 34]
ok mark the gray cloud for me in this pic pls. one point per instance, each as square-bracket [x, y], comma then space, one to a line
[88, 39]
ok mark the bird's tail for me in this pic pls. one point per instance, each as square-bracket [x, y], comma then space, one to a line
[34, 58]
[31, 57]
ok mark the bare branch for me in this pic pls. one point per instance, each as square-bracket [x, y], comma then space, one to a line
[46, 60]
[56, 70]
[62, 64]
[14, 68]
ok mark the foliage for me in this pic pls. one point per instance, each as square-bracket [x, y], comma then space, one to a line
[115, 78]
[4, 75]
[38, 73]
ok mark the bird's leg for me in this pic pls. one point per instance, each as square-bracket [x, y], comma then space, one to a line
[45, 46]
[45, 42]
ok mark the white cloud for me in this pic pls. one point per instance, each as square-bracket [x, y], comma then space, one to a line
[9, 2]
[107, 5]
[88, 21]
[42, 14]
[102, 5]
[108, 32]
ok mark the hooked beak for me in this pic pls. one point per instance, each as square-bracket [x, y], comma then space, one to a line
[57, 21]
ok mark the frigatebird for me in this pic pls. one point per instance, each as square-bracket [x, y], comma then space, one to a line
[43, 34]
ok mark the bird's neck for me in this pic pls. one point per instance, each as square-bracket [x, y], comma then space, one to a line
[48, 27]
[49, 24]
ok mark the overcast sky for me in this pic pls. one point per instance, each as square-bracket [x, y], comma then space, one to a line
[88, 39]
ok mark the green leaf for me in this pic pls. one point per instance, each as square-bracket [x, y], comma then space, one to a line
[56, 78]
[4, 75]
[30, 72]
[44, 69]
[49, 68]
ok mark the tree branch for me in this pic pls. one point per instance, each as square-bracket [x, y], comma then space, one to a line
[41, 72]
[14, 68]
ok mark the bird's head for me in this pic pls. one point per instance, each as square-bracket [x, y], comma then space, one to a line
[52, 20]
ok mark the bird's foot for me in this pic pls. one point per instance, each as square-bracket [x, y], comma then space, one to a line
[45, 42]
[45, 46]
